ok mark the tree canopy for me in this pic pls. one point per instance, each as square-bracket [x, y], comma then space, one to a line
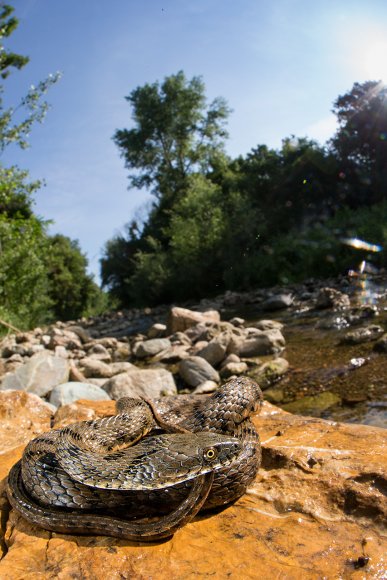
[361, 141]
[271, 216]
[175, 134]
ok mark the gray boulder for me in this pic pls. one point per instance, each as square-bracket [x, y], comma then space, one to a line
[216, 349]
[149, 383]
[39, 375]
[99, 352]
[150, 347]
[157, 330]
[233, 368]
[69, 392]
[261, 343]
[196, 370]
[92, 367]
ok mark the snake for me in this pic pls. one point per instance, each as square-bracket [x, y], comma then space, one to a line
[145, 472]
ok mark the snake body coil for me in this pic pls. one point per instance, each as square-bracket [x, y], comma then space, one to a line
[171, 456]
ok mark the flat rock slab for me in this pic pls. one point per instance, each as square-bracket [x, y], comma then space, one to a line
[316, 510]
[39, 375]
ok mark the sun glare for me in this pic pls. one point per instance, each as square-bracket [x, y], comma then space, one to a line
[364, 49]
[375, 60]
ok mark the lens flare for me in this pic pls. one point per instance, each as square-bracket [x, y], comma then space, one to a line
[359, 244]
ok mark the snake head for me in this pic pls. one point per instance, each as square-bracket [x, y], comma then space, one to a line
[220, 453]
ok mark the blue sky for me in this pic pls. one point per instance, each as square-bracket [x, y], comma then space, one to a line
[280, 64]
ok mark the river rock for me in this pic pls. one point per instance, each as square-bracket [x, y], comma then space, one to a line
[122, 367]
[316, 510]
[269, 372]
[261, 342]
[215, 351]
[332, 298]
[99, 352]
[175, 353]
[80, 332]
[9, 365]
[150, 347]
[92, 367]
[365, 334]
[195, 370]
[70, 392]
[233, 368]
[237, 321]
[157, 330]
[66, 338]
[278, 302]
[180, 319]
[230, 358]
[180, 338]
[267, 324]
[141, 383]
[39, 375]
[204, 388]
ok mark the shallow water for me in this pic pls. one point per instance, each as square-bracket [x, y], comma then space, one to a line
[328, 379]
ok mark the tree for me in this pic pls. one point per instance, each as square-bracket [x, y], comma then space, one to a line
[175, 134]
[16, 121]
[70, 289]
[361, 142]
[176, 138]
[23, 245]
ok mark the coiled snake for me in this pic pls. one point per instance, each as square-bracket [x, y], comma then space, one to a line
[171, 456]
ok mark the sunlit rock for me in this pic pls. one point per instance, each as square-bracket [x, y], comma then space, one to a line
[180, 319]
[317, 509]
[39, 375]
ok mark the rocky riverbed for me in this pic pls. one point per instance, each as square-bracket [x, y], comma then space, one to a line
[318, 506]
[318, 349]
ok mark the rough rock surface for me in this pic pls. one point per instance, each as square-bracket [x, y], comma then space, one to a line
[70, 392]
[141, 383]
[316, 510]
[39, 375]
[261, 342]
[151, 347]
[195, 370]
[181, 318]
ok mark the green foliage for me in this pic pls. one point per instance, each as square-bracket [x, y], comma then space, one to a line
[41, 277]
[23, 245]
[71, 290]
[16, 121]
[273, 216]
[175, 134]
[361, 142]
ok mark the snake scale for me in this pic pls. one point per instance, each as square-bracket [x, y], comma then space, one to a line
[169, 457]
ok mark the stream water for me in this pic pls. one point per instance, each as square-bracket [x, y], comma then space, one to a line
[329, 379]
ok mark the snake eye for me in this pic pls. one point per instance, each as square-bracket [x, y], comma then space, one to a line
[210, 453]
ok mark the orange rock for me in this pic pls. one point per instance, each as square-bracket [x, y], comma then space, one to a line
[316, 510]
[22, 416]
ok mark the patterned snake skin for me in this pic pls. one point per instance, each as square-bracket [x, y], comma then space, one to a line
[168, 457]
